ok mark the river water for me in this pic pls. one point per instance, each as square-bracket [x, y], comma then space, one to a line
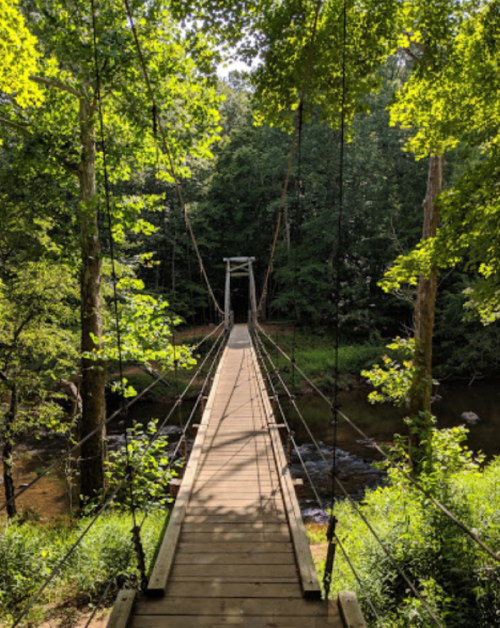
[379, 422]
[355, 458]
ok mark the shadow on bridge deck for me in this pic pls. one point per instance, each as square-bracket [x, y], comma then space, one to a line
[235, 551]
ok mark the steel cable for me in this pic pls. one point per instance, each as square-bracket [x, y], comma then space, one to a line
[113, 416]
[395, 464]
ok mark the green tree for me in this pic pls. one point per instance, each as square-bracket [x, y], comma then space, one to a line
[454, 86]
[67, 123]
[19, 56]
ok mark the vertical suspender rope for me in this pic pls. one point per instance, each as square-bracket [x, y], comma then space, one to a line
[169, 155]
[297, 217]
[129, 471]
[327, 579]
[290, 159]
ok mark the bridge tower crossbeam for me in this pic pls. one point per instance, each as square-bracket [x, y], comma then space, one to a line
[239, 267]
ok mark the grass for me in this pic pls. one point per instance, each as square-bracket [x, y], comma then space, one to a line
[315, 355]
[459, 581]
[30, 550]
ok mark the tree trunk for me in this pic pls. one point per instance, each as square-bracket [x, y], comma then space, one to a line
[8, 477]
[420, 393]
[93, 452]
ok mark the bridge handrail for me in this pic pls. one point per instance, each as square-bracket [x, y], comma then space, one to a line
[151, 501]
[115, 414]
[127, 477]
[259, 346]
[389, 458]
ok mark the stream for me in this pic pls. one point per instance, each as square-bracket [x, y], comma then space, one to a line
[49, 498]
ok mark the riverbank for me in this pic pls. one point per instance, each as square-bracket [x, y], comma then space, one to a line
[314, 354]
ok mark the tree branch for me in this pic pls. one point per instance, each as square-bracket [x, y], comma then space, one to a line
[69, 166]
[412, 54]
[16, 127]
[47, 82]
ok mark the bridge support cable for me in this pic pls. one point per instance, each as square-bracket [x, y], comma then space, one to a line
[331, 529]
[335, 406]
[61, 563]
[129, 472]
[113, 416]
[297, 123]
[263, 354]
[166, 149]
[374, 445]
[135, 530]
[172, 460]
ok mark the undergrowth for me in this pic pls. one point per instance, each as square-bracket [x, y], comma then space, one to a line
[458, 580]
[30, 550]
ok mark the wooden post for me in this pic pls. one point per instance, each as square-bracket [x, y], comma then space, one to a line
[227, 296]
[174, 486]
[253, 295]
[289, 447]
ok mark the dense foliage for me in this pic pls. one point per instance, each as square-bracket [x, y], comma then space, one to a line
[29, 551]
[458, 580]
[89, 253]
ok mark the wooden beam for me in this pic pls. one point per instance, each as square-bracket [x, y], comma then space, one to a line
[165, 559]
[308, 577]
[122, 609]
[350, 610]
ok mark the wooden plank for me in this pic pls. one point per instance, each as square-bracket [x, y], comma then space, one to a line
[232, 537]
[122, 609]
[350, 610]
[235, 558]
[226, 590]
[232, 495]
[221, 621]
[207, 516]
[243, 486]
[309, 578]
[236, 477]
[238, 511]
[227, 606]
[164, 560]
[216, 548]
[243, 526]
[228, 501]
[261, 580]
[234, 571]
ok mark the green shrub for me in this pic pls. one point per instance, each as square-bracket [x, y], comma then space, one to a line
[148, 459]
[29, 551]
[459, 581]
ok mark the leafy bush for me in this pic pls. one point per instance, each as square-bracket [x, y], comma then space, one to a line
[29, 551]
[459, 581]
[150, 464]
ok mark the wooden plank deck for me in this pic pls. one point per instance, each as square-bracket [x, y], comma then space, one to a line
[235, 551]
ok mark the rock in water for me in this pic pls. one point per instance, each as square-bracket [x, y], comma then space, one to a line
[470, 417]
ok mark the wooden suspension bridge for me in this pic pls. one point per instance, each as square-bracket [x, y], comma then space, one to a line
[235, 550]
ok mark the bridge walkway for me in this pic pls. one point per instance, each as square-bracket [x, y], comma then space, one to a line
[235, 550]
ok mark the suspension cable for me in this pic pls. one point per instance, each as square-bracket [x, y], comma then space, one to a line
[135, 531]
[355, 507]
[169, 155]
[107, 503]
[113, 416]
[298, 120]
[338, 284]
[360, 584]
[60, 564]
[394, 463]
[258, 346]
